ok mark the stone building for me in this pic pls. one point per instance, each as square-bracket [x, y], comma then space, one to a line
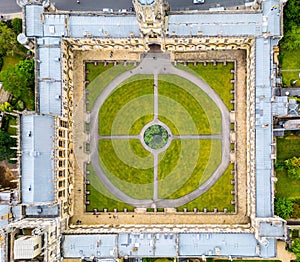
[41, 210]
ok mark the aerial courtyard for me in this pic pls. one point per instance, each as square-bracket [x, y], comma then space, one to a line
[160, 136]
[152, 135]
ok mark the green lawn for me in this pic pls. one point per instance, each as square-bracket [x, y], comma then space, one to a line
[138, 125]
[125, 106]
[12, 122]
[96, 86]
[100, 197]
[189, 167]
[287, 147]
[138, 149]
[186, 109]
[187, 106]
[290, 60]
[11, 61]
[130, 172]
[94, 70]
[218, 77]
[168, 160]
[218, 196]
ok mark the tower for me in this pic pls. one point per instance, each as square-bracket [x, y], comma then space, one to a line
[152, 18]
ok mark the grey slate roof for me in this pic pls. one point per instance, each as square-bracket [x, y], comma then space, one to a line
[102, 246]
[271, 230]
[116, 26]
[49, 84]
[42, 211]
[264, 189]
[50, 97]
[147, 245]
[54, 25]
[166, 245]
[49, 63]
[4, 210]
[280, 106]
[241, 245]
[37, 142]
[214, 24]
[33, 20]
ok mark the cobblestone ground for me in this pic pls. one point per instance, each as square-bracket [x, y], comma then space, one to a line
[171, 218]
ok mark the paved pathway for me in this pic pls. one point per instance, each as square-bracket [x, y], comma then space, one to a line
[119, 137]
[159, 64]
[155, 96]
[197, 137]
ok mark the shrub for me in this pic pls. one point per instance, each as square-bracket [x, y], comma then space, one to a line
[284, 207]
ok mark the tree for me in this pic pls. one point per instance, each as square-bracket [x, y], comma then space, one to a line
[26, 68]
[19, 80]
[283, 207]
[6, 142]
[8, 41]
[6, 107]
[291, 14]
[293, 167]
[16, 24]
[296, 248]
[291, 38]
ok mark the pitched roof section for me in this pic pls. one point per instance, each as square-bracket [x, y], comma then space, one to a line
[101, 26]
[33, 26]
[49, 76]
[37, 142]
[264, 163]
[215, 24]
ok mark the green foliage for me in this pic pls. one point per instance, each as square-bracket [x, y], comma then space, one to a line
[16, 24]
[279, 165]
[293, 167]
[291, 19]
[291, 14]
[291, 38]
[6, 107]
[20, 105]
[283, 207]
[19, 81]
[1, 62]
[156, 137]
[296, 212]
[6, 142]
[26, 68]
[296, 248]
[8, 41]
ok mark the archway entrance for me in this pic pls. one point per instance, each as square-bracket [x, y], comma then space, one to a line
[155, 48]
